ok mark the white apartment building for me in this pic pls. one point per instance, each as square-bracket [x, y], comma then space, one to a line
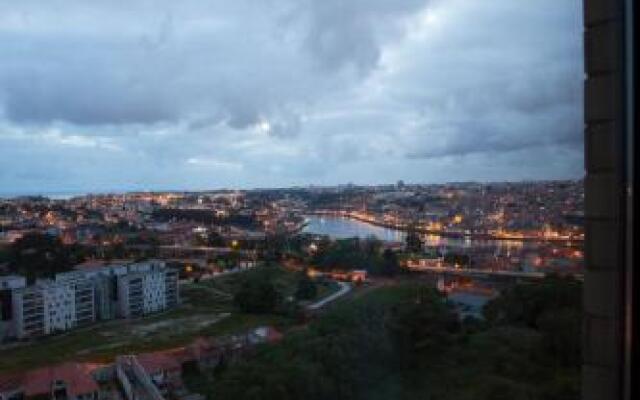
[148, 288]
[83, 293]
[77, 298]
[105, 280]
[44, 308]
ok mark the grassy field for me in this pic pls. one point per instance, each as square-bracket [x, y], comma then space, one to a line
[206, 310]
[286, 282]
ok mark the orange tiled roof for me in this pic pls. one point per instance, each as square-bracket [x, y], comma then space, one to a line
[158, 361]
[76, 376]
[273, 335]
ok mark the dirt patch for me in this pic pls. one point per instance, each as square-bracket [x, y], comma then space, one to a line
[195, 322]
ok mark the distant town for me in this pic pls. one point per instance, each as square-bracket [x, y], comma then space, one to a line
[111, 296]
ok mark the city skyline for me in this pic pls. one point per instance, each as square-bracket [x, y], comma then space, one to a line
[199, 96]
[65, 195]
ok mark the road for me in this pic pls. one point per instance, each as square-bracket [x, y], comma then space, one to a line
[216, 275]
[344, 289]
[474, 271]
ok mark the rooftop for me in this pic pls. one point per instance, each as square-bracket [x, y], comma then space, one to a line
[76, 377]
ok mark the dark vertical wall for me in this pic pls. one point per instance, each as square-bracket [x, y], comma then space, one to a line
[604, 228]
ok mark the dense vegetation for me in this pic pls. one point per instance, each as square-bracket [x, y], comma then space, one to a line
[405, 342]
[354, 254]
[258, 294]
[205, 217]
[37, 255]
[307, 288]
[412, 241]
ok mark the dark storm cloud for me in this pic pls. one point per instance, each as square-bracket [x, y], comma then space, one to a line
[498, 90]
[174, 64]
[86, 98]
[513, 127]
[350, 33]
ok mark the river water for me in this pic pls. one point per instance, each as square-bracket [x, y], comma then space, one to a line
[343, 228]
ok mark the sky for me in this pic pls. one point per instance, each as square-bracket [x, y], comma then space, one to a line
[203, 94]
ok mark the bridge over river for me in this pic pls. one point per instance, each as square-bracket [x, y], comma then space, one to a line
[475, 272]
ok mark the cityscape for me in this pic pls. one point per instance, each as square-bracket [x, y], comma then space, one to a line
[300, 199]
[164, 266]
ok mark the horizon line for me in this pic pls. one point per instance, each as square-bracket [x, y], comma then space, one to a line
[7, 195]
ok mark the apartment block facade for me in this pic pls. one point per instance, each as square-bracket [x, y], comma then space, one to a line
[83, 294]
[80, 297]
[148, 288]
[44, 308]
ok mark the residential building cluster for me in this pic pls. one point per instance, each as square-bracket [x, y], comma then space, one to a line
[540, 210]
[82, 296]
[157, 375]
[132, 225]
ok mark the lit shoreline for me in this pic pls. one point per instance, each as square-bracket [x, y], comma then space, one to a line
[463, 235]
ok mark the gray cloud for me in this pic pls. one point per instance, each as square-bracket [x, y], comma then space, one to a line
[212, 93]
[84, 97]
[351, 33]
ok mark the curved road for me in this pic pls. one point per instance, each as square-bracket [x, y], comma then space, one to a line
[344, 289]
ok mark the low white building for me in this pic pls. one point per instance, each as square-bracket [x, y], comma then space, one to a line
[78, 298]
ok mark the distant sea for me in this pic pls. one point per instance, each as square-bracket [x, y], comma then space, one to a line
[50, 195]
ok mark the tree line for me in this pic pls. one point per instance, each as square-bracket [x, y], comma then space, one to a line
[407, 342]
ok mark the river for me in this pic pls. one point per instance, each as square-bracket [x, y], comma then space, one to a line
[342, 228]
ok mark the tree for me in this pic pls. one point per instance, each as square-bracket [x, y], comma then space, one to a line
[307, 288]
[524, 304]
[346, 254]
[422, 329]
[257, 295]
[38, 255]
[371, 246]
[390, 265]
[561, 330]
[274, 247]
[345, 353]
[552, 307]
[405, 341]
[114, 251]
[413, 242]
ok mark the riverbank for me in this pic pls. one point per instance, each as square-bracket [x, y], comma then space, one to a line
[569, 242]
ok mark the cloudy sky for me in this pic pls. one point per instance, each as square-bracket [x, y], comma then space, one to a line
[197, 94]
